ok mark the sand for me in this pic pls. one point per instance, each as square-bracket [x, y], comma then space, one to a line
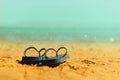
[88, 61]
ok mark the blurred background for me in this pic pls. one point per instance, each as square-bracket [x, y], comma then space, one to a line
[68, 20]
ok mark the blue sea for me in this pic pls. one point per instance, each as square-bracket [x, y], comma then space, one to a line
[60, 34]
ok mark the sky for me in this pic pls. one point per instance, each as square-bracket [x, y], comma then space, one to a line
[59, 13]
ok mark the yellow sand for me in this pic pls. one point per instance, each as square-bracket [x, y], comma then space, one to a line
[88, 61]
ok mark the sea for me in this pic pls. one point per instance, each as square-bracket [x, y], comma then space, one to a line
[60, 34]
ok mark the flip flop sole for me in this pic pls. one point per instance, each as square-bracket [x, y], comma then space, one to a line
[55, 60]
[31, 60]
[48, 61]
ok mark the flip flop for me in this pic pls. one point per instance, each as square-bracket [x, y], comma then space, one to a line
[32, 59]
[58, 59]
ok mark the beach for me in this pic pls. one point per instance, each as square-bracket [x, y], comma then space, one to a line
[89, 29]
[88, 61]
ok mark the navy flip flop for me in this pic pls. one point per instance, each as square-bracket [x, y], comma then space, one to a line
[32, 59]
[58, 59]
[44, 59]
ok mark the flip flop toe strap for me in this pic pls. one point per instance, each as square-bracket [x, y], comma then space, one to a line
[27, 49]
[46, 56]
[57, 55]
[64, 54]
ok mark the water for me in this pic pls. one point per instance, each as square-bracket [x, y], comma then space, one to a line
[60, 34]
